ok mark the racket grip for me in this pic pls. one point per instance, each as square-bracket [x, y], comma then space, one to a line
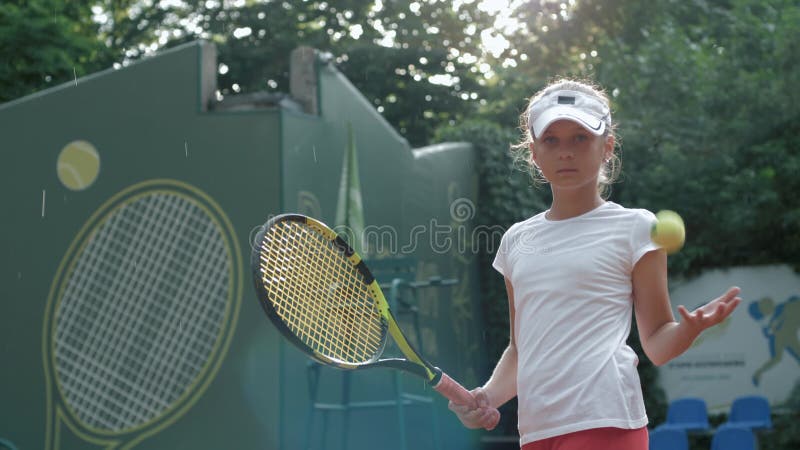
[455, 392]
[459, 395]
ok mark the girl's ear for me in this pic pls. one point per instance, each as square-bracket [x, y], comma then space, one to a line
[608, 147]
[532, 148]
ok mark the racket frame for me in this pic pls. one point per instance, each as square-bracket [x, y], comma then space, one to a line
[414, 363]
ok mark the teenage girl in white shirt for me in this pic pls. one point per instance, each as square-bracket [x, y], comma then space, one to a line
[573, 275]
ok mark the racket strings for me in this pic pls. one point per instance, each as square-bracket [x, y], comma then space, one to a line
[319, 294]
[344, 326]
[141, 311]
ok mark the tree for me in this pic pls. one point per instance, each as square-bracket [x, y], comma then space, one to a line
[431, 55]
[709, 114]
[415, 61]
[44, 43]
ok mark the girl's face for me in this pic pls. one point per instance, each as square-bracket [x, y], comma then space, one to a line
[569, 156]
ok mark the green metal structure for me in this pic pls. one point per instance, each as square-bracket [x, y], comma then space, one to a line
[82, 156]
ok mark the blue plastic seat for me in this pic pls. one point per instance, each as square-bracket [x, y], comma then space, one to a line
[750, 411]
[689, 414]
[728, 437]
[666, 438]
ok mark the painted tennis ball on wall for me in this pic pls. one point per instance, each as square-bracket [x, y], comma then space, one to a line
[78, 165]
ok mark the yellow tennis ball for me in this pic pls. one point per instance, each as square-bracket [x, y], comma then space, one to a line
[668, 231]
[78, 165]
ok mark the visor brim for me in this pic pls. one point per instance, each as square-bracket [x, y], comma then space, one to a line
[592, 124]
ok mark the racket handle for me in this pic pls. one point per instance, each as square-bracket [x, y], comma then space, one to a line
[459, 395]
[455, 392]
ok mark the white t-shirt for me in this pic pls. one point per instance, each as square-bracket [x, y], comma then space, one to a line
[573, 303]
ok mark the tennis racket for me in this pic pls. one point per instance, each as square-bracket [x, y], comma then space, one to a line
[140, 315]
[319, 294]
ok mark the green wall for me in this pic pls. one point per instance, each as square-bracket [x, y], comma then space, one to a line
[149, 121]
[146, 123]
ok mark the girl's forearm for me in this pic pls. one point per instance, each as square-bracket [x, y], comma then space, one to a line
[502, 385]
[672, 339]
[668, 342]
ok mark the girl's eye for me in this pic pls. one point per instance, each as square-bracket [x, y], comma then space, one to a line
[581, 138]
[549, 140]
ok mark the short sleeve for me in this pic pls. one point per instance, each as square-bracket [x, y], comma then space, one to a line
[500, 262]
[641, 243]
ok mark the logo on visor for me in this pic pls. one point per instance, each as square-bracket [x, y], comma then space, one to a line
[566, 100]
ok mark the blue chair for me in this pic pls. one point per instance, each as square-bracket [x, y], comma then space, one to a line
[689, 414]
[666, 438]
[750, 411]
[728, 437]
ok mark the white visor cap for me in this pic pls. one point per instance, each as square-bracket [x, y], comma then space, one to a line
[581, 108]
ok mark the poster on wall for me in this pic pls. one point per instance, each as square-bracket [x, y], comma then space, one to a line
[756, 351]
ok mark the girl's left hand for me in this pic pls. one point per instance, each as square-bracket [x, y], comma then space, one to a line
[712, 312]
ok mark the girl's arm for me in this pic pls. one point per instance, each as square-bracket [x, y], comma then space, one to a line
[502, 385]
[662, 337]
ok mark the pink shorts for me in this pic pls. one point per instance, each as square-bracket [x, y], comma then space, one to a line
[595, 439]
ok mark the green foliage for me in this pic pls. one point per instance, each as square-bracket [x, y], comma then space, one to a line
[254, 40]
[714, 137]
[417, 63]
[44, 43]
[506, 196]
[415, 108]
[431, 61]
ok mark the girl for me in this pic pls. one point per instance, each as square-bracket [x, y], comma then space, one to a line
[573, 273]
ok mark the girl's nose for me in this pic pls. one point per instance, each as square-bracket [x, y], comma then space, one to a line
[565, 153]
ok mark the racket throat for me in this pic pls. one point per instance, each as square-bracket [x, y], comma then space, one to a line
[437, 377]
[431, 373]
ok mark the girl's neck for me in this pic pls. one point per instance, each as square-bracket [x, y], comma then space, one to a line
[573, 203]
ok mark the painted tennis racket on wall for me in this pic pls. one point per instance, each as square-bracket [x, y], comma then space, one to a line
[140, 315]
[321, 296]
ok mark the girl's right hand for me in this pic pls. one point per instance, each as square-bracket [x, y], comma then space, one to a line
[484, 416]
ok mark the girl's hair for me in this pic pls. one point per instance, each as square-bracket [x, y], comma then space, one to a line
[521, 151]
